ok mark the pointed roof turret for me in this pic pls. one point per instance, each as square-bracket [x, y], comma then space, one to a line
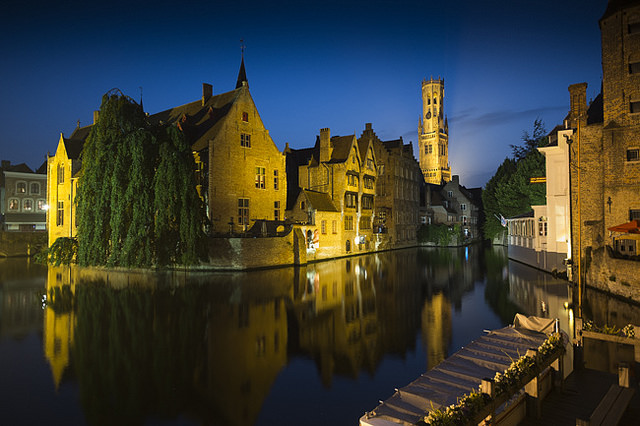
[242, 74]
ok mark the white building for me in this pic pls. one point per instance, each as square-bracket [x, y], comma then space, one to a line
[542, 238]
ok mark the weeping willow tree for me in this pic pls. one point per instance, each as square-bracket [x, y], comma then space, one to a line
[137, 202]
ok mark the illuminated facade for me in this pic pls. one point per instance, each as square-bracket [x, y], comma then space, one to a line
[397, 188]
[241, 172]
[346, 172]
[542, 237]
[433, 132]
[605, 157]
[62, 184]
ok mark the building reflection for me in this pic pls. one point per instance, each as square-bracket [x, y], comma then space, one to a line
[436, 328]
[59, 320]
[21, 290]
[211, 346]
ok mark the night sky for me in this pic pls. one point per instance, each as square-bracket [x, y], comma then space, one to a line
[335, 64]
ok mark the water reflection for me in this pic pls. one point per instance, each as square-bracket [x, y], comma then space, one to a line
[209, 348]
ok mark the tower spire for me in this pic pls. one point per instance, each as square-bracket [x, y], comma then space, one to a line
[242, 74]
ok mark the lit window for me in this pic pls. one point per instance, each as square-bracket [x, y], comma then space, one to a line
[245, 140]
[34, 188]
[41, 204]
[633, 154]
[14, 204]
[21, 187]
[348, 223]
[27, 205]
[260, 177]
[367, 202]
[243, 211]
[351, 200]
[60, 216]
[245, 117]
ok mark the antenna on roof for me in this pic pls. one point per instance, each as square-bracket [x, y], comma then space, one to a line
[78, 123]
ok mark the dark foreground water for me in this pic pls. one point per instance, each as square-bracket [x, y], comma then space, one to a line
[316, 345]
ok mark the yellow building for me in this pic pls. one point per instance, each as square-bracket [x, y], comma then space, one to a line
[346, 172]
[62, 184]
[434, 133]
[240, 171]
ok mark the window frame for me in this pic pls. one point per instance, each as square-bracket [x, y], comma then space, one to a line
[245, 140]
[260, 178]
[633, 154]
[243, 211]
[20, 184]
[17, 204]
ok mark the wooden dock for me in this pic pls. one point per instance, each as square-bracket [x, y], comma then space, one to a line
[583, 390]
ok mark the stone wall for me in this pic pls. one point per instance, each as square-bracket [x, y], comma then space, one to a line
[617, 276]
[22, 243]
[252, 253]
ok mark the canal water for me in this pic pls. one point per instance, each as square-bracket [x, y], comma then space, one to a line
[314, 345]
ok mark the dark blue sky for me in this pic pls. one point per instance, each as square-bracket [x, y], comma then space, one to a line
[336, 64]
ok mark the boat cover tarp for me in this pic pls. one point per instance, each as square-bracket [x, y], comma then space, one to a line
[462, 372]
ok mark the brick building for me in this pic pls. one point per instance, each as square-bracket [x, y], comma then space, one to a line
[240, 171]
[346, 172]
[62, 183]
[397, 188]
[604, 154]
[22, 197]
[433, 133]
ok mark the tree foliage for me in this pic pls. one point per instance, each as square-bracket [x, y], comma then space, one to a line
[133, 173]
[509, 192]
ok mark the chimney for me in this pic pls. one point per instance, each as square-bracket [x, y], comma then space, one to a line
[325, 145]
[207, 92]
[456, 179]
[96, 114]
[367, 126]
[578, 94]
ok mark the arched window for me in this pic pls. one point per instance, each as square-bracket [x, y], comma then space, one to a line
[27, 205]
[21, 187]
[348, 246]
[14, 204]
[34, 188]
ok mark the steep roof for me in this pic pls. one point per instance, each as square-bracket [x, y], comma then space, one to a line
[73, 147]
[22, 168]
[341, 148]
[199, 122]
[242, 75]
[320, 201]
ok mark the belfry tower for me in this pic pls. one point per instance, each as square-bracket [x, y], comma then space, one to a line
[433, 133]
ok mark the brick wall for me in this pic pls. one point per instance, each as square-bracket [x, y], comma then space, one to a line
[616, 276]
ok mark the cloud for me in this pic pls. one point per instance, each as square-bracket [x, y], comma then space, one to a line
[473, 117]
